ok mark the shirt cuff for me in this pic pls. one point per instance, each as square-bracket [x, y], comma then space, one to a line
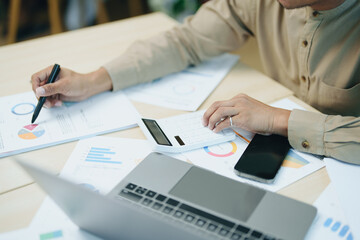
[306, 131]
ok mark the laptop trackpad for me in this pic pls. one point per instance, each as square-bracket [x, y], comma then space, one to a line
[218, 193]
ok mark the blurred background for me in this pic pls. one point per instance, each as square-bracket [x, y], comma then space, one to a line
[27, 19]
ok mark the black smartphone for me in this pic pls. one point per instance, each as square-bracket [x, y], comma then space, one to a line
[262, 158]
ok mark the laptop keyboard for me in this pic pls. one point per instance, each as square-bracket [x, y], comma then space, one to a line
[208, 222]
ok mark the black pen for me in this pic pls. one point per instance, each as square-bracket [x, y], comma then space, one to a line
[53, 75]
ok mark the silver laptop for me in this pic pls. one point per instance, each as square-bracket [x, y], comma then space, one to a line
[165, 198]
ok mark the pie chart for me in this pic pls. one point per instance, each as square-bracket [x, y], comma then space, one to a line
[31, 131]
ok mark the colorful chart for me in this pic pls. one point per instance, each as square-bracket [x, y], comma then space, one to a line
[293, 160]
[338, 228]
[51, 235]
[31, 131]
[223, 150]
[101, 155]
[23, 108]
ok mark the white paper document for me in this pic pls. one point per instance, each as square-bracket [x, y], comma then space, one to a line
[185, 90]
[100, 114]
[330, 222]
[346, 178]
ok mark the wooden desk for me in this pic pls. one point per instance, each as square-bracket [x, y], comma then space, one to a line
[83, 51]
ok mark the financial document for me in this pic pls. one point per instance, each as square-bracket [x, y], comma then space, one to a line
[330, 222]
[346, 178]
[100, 114]
[185, 90]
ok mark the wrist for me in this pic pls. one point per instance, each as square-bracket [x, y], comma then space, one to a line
[281, 121]
[100, 81]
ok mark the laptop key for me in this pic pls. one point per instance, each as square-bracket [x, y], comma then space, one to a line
[235, 236]
[212, 227]
[172, 202]
[160, 198]
[130, 195]
[178, 214]
[131, 186]
[167, 210]
[157, 206]
[150, 193]
[256, 234]
[200, 222]
[147, 202]
[140, 190]
[189, 218]
[242, 229]
[269, 238]
[223, 232]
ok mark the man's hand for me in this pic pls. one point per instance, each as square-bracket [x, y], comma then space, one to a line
[247, 113]
[69, 85]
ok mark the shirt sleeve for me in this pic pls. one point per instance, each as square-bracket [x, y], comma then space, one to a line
[219, 26]
[328, 135]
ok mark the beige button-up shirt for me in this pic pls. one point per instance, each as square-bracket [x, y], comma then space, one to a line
[315, 54]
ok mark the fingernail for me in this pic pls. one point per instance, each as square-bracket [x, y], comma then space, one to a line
[58, 104]
[40, 91]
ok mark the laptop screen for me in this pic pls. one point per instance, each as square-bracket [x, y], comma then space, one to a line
[209, 190]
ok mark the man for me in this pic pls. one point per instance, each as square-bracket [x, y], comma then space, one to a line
[310, 46]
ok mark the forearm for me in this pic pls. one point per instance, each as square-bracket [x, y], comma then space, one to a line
[98, 81]
[212, 31]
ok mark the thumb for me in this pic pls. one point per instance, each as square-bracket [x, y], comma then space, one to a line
[49, 89]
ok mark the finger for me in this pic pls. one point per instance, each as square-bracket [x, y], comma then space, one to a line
[210, 111]
[40, 78]
[53, 101]
[222, 112]
[46, 90]
[224, 124]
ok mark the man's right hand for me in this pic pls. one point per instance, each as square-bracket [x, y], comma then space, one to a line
[69, 85]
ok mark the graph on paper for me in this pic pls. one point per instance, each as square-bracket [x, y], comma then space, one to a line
[294, 160]
[58, 234]
[23, 108]
[221, 150]
[31, 131]
[101, 155]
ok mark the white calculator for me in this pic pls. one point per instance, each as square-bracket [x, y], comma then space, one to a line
[182, 133]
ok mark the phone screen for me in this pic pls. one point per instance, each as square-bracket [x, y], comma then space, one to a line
[263, 157]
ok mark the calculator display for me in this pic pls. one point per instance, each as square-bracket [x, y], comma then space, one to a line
[156, 132]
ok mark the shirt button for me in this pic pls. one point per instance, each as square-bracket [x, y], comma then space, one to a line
[304, 43]
[315, 13]
[305, 144]
[303, 78]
